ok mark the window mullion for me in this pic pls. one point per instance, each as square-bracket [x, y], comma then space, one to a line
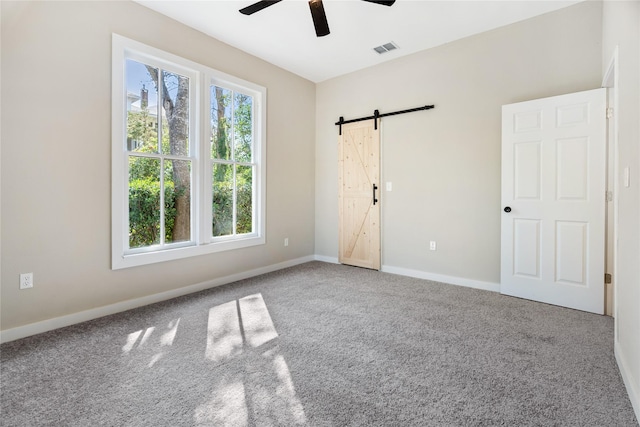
[162, 224]
[206, 161]
[255, 180]
[254, 218]
[196, 150]
[159, 112]
[235, 201]
[161, 152]
[233, 160]
[126, 198]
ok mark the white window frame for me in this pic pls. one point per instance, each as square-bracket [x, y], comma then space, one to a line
[201, 77]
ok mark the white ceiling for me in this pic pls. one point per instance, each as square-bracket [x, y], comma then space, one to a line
[283, 34]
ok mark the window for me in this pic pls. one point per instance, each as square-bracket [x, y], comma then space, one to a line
[232, 161]
[188, 158]
[159, 158]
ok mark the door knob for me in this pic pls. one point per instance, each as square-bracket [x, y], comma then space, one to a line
[507, 209]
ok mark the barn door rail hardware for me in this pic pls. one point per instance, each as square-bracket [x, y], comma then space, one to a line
[377, 115]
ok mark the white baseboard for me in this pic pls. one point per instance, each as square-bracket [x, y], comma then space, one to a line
[327, 259]
[83, 316]
[72, 319]
[625, 372]
[418, 274]
[452, 280]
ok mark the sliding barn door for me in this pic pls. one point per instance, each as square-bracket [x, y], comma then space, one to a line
[359, 182]
[553, 200]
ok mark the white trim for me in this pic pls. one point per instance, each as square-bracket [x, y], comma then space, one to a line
[452, 280]
[170, 254]
[610, 81]
[118, 133]
[200, 78]
[327, 259]
[83, 316]
[627, 379]
[611, 75]
[95, 313]
[419, 274]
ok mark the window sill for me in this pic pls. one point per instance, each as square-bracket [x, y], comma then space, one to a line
[145, 258]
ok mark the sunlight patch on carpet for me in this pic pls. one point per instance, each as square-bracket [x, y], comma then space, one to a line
[236, 324]
[165, 339]
[227, 407]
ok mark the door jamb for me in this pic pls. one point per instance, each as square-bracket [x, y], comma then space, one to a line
[610, 81]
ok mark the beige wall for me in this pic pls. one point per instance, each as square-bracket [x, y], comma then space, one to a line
[444, 163]
[621, 30]
[56, 121]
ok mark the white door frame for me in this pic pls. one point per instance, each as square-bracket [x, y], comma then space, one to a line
[610, 81]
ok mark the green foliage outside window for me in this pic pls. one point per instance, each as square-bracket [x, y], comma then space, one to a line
[144, 212]
[144, 184]
[144, 176]
[156, 165]
[231, 149]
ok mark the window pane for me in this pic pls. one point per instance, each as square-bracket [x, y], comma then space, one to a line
[220, 123]
[244, 192]
[242, 127]
[144, 201]
[177, 201]
[175, 114]
[222, 200]
[142, 102]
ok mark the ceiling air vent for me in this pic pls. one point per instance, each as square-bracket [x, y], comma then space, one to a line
[385, 47]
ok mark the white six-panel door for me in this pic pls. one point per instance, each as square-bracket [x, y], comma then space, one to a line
[553, 200]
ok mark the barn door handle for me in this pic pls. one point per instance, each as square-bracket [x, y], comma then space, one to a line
[375, 187]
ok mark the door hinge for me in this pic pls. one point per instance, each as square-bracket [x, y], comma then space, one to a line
[609, 112]
[607, 278]
[609, 196]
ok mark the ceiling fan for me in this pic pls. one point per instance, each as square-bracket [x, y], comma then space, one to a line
[317, 12]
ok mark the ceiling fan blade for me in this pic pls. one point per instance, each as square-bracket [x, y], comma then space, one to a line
[319, 18]
[256, 7]
[382, 2]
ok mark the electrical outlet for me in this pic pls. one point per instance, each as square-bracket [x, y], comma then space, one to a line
[286, 241]
[432, 245]
[26, 280]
